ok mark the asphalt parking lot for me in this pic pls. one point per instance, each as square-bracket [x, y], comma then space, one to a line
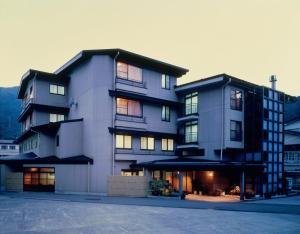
[51, 213]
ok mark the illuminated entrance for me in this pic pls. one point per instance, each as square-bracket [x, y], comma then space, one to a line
[39, 179]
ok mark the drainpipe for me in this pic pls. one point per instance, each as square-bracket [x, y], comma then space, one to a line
[114, 114]
[88, 177]
[223, 119]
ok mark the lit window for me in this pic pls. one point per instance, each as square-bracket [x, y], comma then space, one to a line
[147, 143]
[191, 103]
[56, 117]
[235, 130]
[165, 113]
[165, 81]
[191, 132]
[129, 107]
[167, 144]
[57, 89]
[123, 141]
[129, 72]
[236, 100]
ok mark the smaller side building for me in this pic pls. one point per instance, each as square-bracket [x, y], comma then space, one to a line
[8, 147]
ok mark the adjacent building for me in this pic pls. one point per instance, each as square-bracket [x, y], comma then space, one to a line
[8, 147]
[113, 112]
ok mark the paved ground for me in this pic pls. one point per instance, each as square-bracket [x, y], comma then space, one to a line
[50, 213]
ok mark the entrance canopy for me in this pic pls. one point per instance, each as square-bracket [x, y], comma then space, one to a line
[197, 164]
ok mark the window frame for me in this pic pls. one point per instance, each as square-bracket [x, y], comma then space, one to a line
[56, 117]
[190, 97]
[164, 116]
[167, 141]
[57, 86]
[191, 124]
[126, 74]
[147, 143]
[237, 137]
[165, 82]
[234, 100]
[140, 103]
[123, 141]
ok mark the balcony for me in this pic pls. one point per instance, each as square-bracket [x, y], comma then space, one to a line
[26, 102]
[188, 141]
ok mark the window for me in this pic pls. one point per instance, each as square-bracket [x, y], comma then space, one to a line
[3, 147]
[129, 107]
[191, 131]
[12, 147]
[236, 99]
[129, 72]
[235, 130]
[123, 141]
[57, 140]
[147, 143]
[56, 117]
[167, 144]
[165, 113]
[57, 89]
[191, 103]
[165, 81]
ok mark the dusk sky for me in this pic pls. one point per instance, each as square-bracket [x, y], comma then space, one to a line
[247, 39]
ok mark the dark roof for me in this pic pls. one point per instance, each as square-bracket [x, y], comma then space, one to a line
[31, 158]
[197, 164]
[127, 56]
[33, 106]
[233, 80]
[31, 73]
[48, 129]
[292, 111]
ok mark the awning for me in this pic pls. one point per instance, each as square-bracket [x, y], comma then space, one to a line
[31, 158]
[197, 164]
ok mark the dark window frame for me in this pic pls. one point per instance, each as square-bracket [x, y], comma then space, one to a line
[57, 85]
[147, 141]
[238, 131]
[127, 73]
[136, 116]
[166, 116]
[123, 135]
[236, 103]
[167, 150]
[193, 106]
[165, 81]
[190, 124]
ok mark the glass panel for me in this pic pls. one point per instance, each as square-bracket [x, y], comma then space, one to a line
[134, 73]
[53, 88]
[61, 90]
[170, 144]
[134, 108]
[119, 141]
[53, 118]
[60, 117]
[164, 144]
[122, 70]
[127, 142]
[143, 142]
[150, 143]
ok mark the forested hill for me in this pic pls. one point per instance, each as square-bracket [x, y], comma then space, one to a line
[9, 111]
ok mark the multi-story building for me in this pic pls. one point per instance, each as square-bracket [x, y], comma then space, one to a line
[8, 147]
[113, 112]
[292, 145]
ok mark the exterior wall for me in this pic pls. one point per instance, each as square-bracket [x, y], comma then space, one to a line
[43, 95]
[232, 115]
[46, 145]
[13, 180]
[294, 126]
[131, 186]
[8, 150]
[88, 87]
[70, 140]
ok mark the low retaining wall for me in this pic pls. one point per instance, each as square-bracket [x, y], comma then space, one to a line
[129, 186]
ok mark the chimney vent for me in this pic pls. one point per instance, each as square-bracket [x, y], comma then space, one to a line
[273, 80]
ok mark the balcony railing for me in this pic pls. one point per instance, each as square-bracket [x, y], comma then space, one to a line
[191, 109]
[190, 138]
[26, 102]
